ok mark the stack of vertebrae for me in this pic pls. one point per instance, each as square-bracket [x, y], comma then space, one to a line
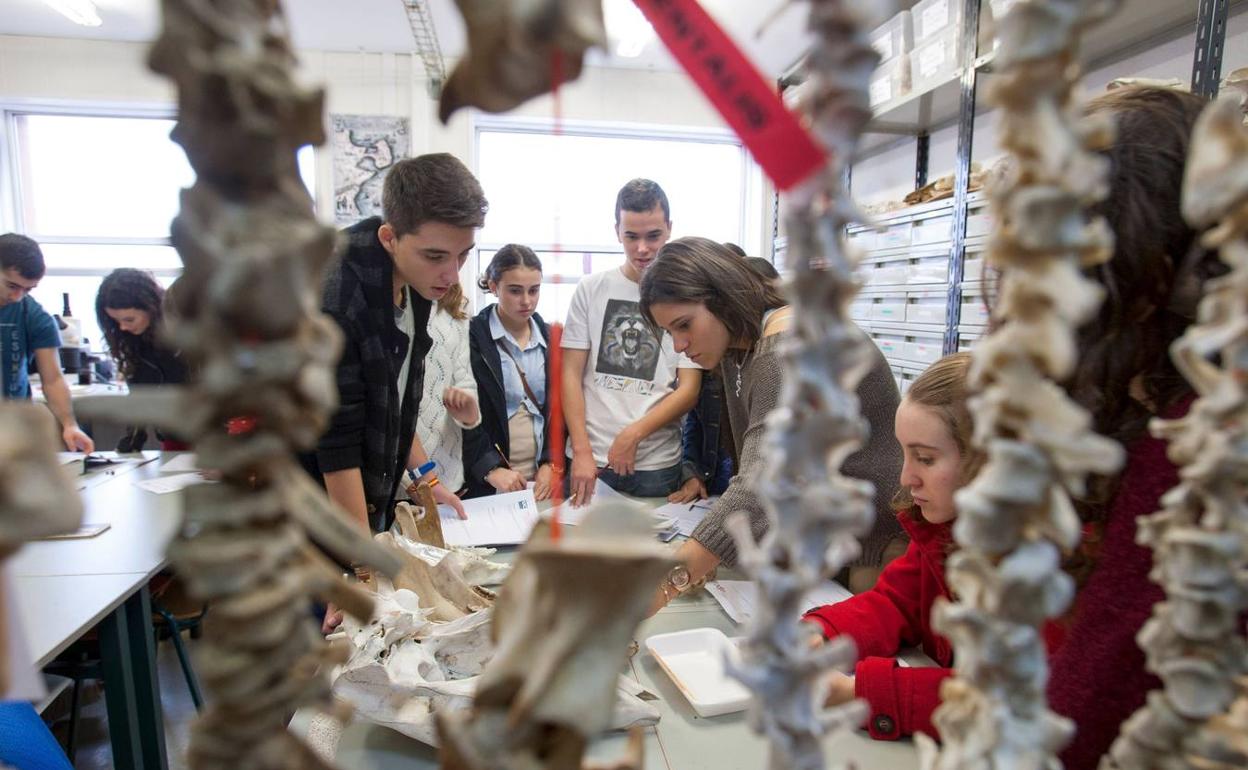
[244, 316]
[562, 625]
[1194, 641]
[37, 498]
[814, 513]
[1016, 519]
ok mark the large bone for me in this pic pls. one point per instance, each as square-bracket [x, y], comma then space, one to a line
[562, 626]
[441, 587]
[519, 49]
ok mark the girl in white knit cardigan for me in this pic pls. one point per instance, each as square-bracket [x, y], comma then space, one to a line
[448, 383]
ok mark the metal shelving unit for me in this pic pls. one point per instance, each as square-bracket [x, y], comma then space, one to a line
[1138, 26]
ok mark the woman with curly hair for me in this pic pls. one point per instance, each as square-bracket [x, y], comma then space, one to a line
[130, 309]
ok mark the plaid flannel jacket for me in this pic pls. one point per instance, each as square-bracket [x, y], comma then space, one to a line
[369, 431]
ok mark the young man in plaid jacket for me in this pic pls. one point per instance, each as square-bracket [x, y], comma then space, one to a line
[380, 293]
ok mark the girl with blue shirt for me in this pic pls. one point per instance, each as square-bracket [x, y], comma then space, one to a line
[508, 344]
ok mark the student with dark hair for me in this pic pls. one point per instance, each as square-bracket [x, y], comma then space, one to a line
[723, 316]
[765, 269]
[28, 335]
[130, 310]
[381, 292]
[624, 388]
[509, 359]
[708, 465]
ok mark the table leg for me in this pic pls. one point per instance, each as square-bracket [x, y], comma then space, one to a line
[131, 687]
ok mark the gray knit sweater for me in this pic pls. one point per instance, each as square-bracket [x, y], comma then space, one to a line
[878, 462]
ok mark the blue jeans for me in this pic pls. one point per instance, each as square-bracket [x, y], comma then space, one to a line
[660, 483]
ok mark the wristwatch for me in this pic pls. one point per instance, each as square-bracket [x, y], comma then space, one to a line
[678, 579]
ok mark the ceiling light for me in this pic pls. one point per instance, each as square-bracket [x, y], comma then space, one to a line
[627, 27]
[78, 11]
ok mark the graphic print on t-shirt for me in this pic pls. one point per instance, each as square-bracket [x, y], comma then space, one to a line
[628, 348]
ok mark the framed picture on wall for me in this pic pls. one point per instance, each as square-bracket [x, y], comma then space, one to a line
[364, 148]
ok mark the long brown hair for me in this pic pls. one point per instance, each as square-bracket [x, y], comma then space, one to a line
[1155, 254]
[122, 289]
[454, 302]
[700, 270]
[1153, 281]
[942, 388]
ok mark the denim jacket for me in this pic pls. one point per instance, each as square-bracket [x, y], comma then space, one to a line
[703, 455]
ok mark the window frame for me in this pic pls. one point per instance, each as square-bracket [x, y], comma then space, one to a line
[752, 182]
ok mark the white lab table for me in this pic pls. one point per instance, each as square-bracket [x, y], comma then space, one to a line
[64, 588]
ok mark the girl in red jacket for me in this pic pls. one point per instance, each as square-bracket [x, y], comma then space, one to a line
[934, 430]
[1124, 378]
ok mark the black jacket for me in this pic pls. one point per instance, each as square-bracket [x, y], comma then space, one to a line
[154, 365]
[368, 431]
[480, 456]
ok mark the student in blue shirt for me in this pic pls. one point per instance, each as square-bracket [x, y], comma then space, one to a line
[29, 335]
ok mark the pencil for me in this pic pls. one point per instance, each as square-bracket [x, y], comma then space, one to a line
[503, 457]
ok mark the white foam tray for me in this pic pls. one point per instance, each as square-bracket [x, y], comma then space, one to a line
[694, 660]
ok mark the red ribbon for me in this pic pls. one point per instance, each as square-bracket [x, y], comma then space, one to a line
[782, 147]
[554, 387]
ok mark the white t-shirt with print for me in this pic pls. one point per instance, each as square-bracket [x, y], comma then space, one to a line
[628, 371]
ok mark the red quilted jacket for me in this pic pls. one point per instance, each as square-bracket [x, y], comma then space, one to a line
[1097, 676]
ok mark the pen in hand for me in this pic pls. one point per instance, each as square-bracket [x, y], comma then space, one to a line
[502, 456]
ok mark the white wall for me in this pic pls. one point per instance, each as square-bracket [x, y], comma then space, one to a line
[105, 74]
[890, 175]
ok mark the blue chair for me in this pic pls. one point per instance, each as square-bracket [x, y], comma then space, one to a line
[26, 743]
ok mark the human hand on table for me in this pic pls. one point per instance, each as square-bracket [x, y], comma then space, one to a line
[840, 689]
[542, 482]
[445, 496]
[584, 475]
[333, 619]
[75, 440]
[691, 490]
[505, 480]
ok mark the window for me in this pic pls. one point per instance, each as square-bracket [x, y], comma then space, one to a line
[98, 192]
[548, 190]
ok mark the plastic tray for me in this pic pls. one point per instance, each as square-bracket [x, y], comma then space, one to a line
[694, 660]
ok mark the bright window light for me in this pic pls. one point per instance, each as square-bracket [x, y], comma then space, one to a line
[545, 189]
[78, 11]
[99, 193]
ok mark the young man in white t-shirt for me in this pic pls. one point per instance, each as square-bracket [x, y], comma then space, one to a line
[625, 389]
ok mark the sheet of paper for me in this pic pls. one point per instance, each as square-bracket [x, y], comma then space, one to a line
[603, 491]
[185, 463]
[497, 520]
[569, 514]
[166, 484]
[686, 515]
[739, 597]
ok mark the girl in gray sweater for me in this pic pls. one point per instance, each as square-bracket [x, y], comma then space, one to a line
[721, 314]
